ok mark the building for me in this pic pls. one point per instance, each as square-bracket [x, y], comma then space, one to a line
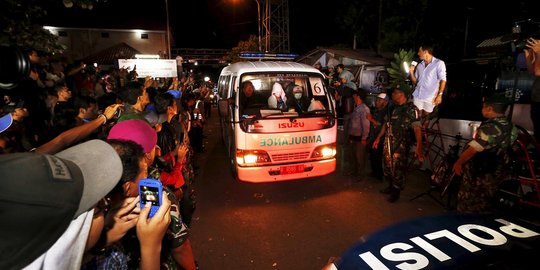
[82, 43]
[368, 68]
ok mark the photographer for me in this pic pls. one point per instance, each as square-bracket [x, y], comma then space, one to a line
[532, 58]
[176, 248]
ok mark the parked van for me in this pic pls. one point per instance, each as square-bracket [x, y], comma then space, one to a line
[285, 129]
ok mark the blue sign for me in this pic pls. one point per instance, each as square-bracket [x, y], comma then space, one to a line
[523, 82]
[451, 241]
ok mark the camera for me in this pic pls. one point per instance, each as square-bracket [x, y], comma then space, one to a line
[523, 30]
[14, 66]
[118, 113]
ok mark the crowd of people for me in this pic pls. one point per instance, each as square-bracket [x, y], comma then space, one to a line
[63, 117]
[76, 141]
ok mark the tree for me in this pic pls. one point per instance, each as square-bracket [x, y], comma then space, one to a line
[22, 26]
[398, 28]
[250, 45]
[398, 71]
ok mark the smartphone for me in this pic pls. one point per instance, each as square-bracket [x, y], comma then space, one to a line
[150, 190]
[118, 113]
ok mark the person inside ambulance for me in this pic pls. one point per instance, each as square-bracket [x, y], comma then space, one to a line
[250, 99]
[297, 100]
[277, 99]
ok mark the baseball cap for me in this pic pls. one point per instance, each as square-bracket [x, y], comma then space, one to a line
[138, 131]
[130, 116]
[42, 194]
[175, 93]
[383, 96]
[5, 122]
[154, 118]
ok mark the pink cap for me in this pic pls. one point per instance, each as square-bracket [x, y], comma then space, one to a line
[135, 130]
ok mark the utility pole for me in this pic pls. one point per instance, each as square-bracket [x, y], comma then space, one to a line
[379, 29]
[259, 22]
[276, 26]
[168, 30]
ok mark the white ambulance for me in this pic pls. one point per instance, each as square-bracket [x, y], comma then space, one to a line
[284, 129]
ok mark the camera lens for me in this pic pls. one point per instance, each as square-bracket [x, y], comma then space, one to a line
[14, 66]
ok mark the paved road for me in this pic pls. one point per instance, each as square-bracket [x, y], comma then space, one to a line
[289, 225]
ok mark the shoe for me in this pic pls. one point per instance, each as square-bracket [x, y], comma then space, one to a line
[386, 190]
[394, 195]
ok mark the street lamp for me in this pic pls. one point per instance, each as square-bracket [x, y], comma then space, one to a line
[168, 30]
[259, 22]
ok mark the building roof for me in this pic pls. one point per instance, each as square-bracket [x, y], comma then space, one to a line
[110, 55]
[492, 42]
[494, 46]
[347, 57]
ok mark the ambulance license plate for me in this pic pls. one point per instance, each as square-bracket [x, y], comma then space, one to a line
[291, 169]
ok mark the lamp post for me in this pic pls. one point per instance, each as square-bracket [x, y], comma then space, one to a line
[259, 22]
[168, 30]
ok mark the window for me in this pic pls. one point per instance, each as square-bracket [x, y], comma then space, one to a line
[144, 36]
[104, 34]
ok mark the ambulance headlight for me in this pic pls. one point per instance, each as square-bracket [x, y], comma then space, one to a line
[251, 157]
[324, 151]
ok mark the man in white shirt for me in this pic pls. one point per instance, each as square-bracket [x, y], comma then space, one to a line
[429, 79]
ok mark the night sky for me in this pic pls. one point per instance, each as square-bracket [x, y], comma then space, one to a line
[223, 23]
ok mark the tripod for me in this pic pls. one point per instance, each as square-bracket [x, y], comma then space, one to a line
[443, 179]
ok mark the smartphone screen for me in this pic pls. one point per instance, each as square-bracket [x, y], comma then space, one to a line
[149, 194]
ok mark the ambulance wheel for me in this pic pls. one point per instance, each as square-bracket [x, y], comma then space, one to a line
[232, 159]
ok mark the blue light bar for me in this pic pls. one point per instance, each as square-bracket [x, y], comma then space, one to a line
[261, 55]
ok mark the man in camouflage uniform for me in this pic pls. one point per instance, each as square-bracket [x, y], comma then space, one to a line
[403, 117]
[376, 119]
[482, 161]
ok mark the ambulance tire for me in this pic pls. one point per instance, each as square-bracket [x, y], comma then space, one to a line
[222, 129]
[232, 158]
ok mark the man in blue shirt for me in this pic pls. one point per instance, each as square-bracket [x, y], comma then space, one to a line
[358, 135]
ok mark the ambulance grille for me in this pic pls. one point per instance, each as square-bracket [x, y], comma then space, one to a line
[290, 156]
